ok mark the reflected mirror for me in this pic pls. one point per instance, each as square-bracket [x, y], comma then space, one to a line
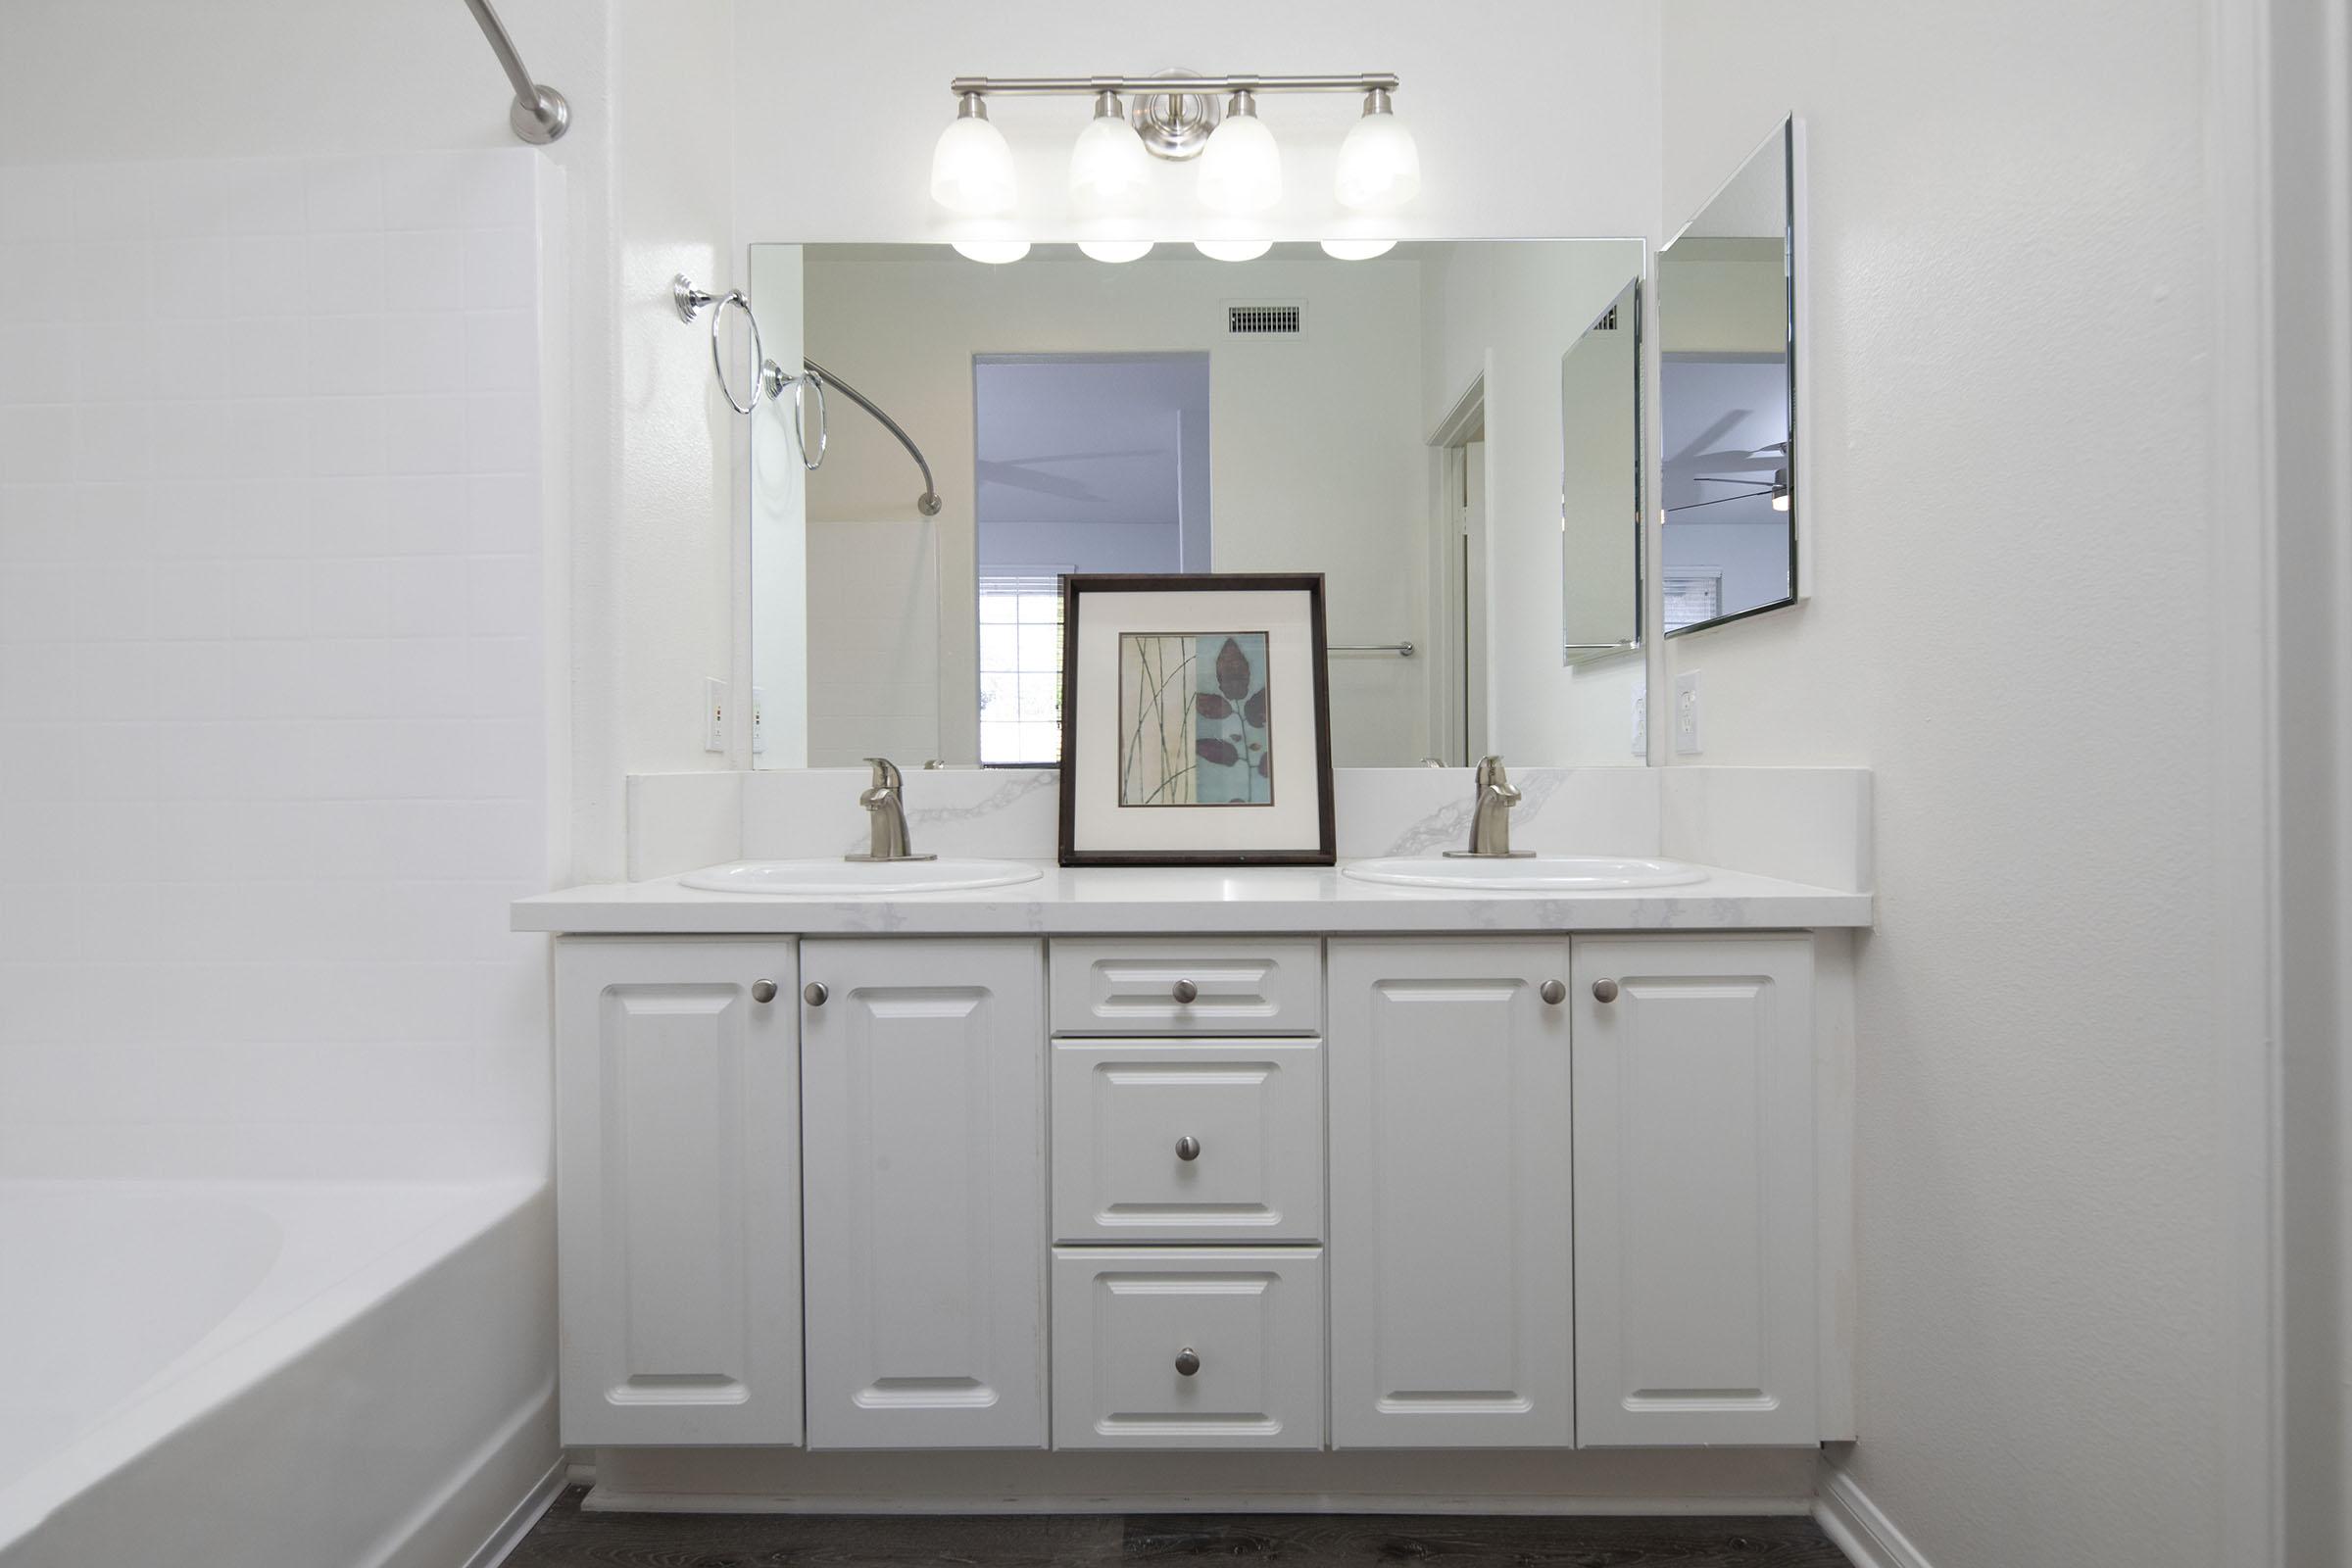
[1727, 392]
[1441, 431]
[1601, 485]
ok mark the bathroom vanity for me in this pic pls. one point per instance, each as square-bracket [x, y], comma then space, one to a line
[1247, 1159]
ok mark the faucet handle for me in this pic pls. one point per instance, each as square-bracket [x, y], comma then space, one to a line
[886, 773]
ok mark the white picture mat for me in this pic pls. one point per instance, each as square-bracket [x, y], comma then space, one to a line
[1294, 822]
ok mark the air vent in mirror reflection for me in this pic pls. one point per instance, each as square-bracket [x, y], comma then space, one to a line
[1265, 320]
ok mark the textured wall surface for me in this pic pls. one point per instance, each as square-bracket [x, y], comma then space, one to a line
[2012, 321]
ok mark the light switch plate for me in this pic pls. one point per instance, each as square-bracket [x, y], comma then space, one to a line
[1641, 723]
[759, 716]
[1686, 713]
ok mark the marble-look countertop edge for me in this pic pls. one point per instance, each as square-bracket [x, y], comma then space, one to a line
[1288, 900]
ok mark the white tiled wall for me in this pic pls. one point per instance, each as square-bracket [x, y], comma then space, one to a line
[272, 705]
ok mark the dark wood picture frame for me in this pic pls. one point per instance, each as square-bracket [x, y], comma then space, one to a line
[1075, 590]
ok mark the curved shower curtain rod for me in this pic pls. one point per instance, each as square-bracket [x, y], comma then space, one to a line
[928, 503]
[539, 114]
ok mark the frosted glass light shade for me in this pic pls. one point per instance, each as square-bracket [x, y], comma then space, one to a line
[1109, 170]
[1379, 168]
[1115, 250]
[971, 170]
[1240, 168]
[1233, 250]
[1358, 250]
[995, 252]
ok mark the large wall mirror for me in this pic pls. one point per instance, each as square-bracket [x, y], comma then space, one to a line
[1727, 392]
[1449, 432]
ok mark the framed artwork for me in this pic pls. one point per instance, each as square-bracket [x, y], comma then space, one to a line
[1195, 720]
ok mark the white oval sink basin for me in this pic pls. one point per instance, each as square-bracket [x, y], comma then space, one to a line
[1540, 874]
[837, 878]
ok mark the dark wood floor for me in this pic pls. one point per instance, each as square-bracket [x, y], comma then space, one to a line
[569, 1539]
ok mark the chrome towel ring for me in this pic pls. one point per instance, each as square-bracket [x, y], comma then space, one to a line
[690, 303]
[773, 380]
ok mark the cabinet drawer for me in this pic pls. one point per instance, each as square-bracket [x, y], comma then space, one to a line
[1253, 985]
[1188, 1348]
[1188, 1139]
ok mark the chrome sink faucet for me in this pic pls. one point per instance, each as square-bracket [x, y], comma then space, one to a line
[886, 810]
[1490, 817]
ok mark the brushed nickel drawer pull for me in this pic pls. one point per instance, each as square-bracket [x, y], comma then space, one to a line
[1185, 991]
[1187, 1147]
[1188, 1362]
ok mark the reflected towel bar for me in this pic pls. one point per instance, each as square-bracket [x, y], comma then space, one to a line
[1400, 650]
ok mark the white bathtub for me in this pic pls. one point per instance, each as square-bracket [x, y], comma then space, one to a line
[295, 1375]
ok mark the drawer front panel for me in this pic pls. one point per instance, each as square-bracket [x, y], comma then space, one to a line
[1187, 1141]
[1252, 987]
[1188, 1348]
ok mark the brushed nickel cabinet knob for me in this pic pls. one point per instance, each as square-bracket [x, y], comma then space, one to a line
[814, 993]
[763, 991]
[1187, 1147]
[1188, 1362]
[1604, 991]
[1184, 990]
[1553, 992]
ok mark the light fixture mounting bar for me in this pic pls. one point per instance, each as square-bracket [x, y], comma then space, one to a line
[1089, 86]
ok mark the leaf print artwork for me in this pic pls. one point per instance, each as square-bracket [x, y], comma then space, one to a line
[1194, 719]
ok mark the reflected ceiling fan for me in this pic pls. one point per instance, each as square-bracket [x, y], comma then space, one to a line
[1021, 473]
[1774, 455]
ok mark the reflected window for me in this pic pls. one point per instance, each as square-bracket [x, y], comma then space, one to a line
[1020, 665]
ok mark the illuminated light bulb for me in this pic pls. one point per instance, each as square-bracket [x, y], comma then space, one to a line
[1109, 169]
[1240, 168]
[1379, 168]
[1780, 489]
[1358, 250]
[1115, 250]
[1233, 250]
[971, 167]
[995, 252]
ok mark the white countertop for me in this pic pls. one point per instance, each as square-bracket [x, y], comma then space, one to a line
[1121, 901]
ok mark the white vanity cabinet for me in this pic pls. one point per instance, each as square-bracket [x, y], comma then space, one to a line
[923, 1089]
[1355, 1192]
[678, 1170]
[1450, 1192]
[1697, 1254]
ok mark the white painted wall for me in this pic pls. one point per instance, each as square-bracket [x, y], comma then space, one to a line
[1507, 311]
[2018, 625]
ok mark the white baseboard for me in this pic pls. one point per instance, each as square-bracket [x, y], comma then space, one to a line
[1859, 1527]
[604, 1499]
[526, 1513]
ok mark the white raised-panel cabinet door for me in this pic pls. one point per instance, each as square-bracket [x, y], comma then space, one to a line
[1694, 1195]
[923, 1083]
[1449, 1202]
[677, 1166]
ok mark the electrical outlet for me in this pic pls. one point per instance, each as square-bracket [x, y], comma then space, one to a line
[759, 720]
[715, 713]
[1686, 713]
[1641, 723]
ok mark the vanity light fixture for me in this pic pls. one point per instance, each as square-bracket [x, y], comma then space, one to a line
[1175, 116]
[1233, 250]
[971, 167]
[1240, 169]
[1109, 169]
[1379, 168]
[995, 252]
[1780, 489]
